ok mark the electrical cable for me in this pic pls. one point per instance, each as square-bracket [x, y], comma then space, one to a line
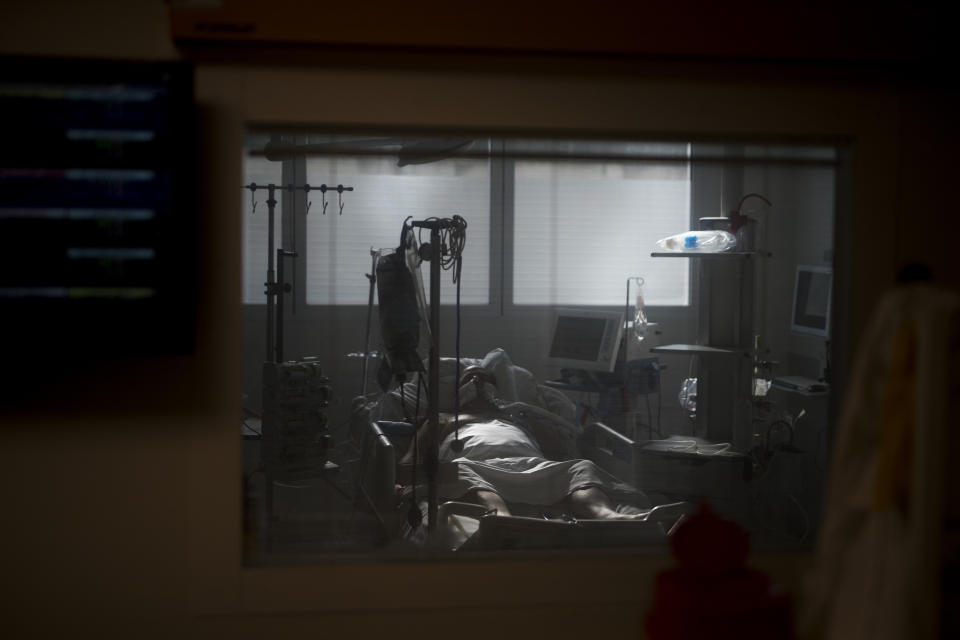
[403, 402]
[456, 388]
[453, 238]
[779, 424]
[649, 417]
[659, 401]
[364, 459]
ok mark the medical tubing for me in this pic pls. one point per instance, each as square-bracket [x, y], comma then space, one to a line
[364, 460]
[403, 404]
[404, 228]
[416, 450]
[453, 236]
[751, 195]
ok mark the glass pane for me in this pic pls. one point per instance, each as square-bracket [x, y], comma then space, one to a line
[575, 422]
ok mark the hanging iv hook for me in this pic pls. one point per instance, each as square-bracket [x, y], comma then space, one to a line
[340, 190]
[323, 193]
[306, 193]
[253, 197]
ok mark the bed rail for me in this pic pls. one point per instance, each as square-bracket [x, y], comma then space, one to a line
[609, 449]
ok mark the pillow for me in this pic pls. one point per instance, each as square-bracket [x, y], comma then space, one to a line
[555, 401]
[513, 382]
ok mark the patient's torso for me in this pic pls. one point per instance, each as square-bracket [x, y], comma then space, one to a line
[493, 439]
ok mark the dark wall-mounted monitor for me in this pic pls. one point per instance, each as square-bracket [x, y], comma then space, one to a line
[98, 232]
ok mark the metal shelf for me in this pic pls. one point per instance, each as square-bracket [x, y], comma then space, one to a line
[707, 254]
[694, 350]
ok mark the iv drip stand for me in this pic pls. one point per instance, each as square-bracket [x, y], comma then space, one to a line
[281, 287]
[271, 283]
[372, 277]
[276, 288]
[432, 462]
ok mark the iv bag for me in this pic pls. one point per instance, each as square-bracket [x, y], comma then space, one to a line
[399, 314]
[639, 315]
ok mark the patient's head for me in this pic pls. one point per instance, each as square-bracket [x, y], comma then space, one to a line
[477, 375]
[478, 388]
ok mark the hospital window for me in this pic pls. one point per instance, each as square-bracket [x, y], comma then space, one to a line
[720, 394]
[560, 251]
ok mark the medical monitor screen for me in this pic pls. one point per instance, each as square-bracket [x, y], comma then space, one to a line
[585, 339]
[577, 338]
[97, 223]
[811, 300]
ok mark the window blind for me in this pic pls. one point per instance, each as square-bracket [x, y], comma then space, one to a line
[338, 246]
[582, 228]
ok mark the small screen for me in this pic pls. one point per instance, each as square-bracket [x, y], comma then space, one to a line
[577, 338]
[812, 301]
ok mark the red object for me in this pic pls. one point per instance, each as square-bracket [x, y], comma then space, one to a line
[712, 593]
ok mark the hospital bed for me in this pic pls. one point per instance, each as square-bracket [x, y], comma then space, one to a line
[388, 484]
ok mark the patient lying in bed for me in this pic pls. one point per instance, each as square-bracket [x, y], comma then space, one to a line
[501, 462]
[519, 453]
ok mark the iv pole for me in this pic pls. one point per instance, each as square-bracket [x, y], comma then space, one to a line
[432, 462]
[276, 288]
[372, 277]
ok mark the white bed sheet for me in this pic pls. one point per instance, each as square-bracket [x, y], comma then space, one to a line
[501, 457]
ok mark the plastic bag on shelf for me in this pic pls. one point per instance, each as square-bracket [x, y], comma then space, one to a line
[711, 241]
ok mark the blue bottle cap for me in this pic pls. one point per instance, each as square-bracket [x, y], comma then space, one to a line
[690, 241]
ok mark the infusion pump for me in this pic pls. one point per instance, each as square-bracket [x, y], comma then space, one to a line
[295, 437]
